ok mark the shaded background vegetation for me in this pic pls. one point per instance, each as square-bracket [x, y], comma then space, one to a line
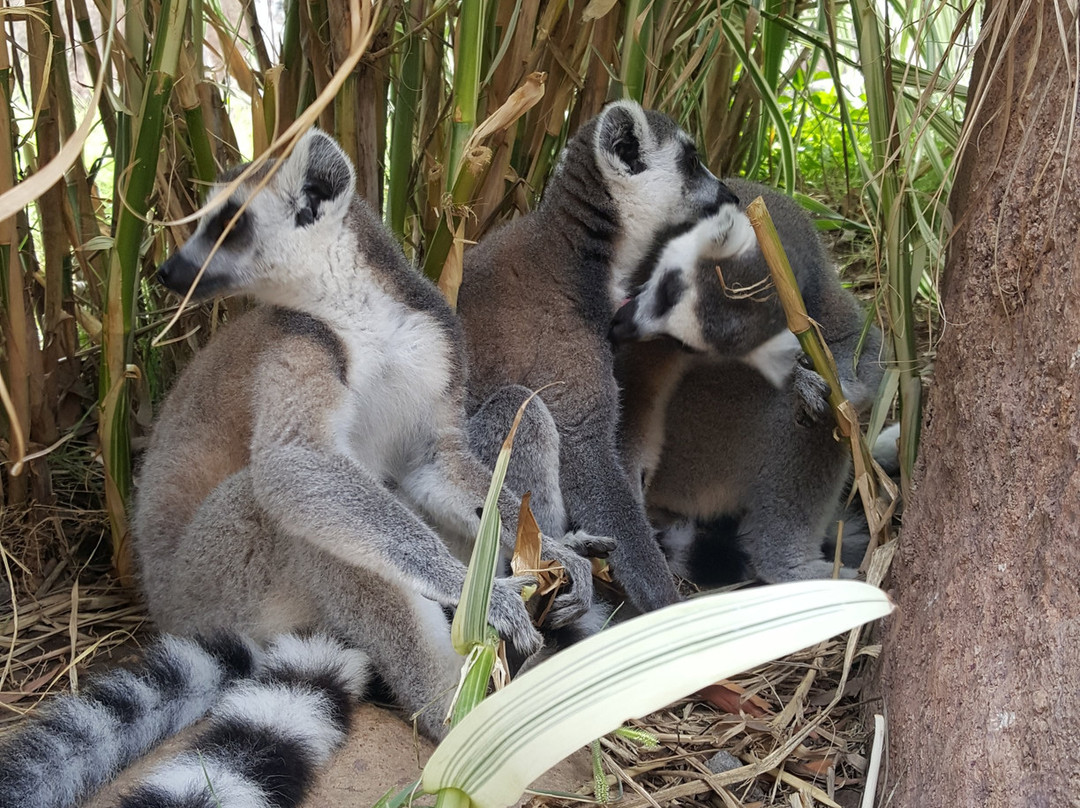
[855, 107]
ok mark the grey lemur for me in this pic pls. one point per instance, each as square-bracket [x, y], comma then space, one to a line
[538, 296]
[725, 424]
[294, 463]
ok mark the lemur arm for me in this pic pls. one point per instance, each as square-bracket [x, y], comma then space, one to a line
[451, 489]
[317, 493]
[600, 498]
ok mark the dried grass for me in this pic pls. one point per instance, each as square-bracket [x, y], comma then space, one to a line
[56, 617]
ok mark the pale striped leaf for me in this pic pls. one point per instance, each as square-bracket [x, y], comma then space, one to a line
[628, 671]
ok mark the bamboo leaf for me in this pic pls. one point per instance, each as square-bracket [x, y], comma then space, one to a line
[597, 9]
[48, 175]
[470, 626]
[629, 670]
[768, 101]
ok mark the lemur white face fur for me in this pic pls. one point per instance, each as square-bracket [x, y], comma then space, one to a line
[295, 206]
[656, 179]
[669, 303]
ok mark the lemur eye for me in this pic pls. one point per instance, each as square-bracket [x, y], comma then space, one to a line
[216, 224]
[691, 161]
[318, 190]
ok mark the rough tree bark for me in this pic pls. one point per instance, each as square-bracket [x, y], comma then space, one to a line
[982, 660]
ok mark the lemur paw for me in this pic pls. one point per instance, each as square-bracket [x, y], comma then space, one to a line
[811, 395]
[509, 617]
[575, 601]
[645, 577]
[731, 233]
[586, 544]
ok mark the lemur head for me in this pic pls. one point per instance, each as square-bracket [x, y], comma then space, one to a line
[271, 236]
[653, 172]
[681, 284]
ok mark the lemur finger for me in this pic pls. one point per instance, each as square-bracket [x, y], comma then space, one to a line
[509, 617]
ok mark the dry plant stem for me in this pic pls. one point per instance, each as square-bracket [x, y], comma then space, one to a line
[16, 401]
[814, 346]
[876, 754]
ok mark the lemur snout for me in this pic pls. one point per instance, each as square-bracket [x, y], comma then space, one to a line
[177, 273]
[623, 328]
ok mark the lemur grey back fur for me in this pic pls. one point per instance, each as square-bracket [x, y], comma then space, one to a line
[538, 295]
[723, 420]
[292, 467]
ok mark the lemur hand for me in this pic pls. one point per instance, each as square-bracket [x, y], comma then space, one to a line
[509, 617]
[573, 552]
[811, 394]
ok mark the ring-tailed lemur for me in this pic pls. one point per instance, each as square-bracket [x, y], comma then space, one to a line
[728, 423]
[276, 490]
[539, 293]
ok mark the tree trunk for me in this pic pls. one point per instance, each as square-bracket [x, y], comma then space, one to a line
[982, 659]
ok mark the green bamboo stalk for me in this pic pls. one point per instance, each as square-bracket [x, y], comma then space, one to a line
[204, 165]
[468, 57]
[894, 224]
[634, 63]
[293, 65]
[136, 18]
[192, 72]
[130, 206]
[472, 172]
[410, 79]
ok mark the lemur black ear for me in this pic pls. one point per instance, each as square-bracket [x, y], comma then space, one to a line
[329, 177]
[619, 136]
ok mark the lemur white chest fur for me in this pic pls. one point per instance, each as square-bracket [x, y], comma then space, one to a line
[396, 357]
[397, 370]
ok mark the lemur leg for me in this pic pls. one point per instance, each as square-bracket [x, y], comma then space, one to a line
[279, 583]
[534, 467]
[406, 635]
[534, 462]
[227, 571]
[782, 531]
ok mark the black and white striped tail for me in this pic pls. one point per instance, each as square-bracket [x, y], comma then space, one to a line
[77, 743]
[268, 737]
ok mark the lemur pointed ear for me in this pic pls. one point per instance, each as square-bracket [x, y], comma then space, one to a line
[327, 179]
[620, 137]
